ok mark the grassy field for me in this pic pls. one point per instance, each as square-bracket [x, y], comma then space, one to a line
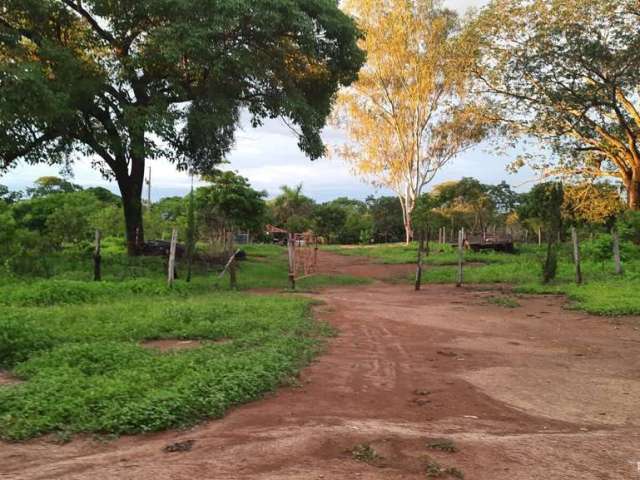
[602, 293]
[78, 346]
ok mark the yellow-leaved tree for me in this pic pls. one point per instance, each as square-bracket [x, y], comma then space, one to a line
[409, 113]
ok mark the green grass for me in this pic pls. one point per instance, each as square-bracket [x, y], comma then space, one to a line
[77, 343]
[602, 293]
[124, 277]
[399, 253]
[86, 371]
[504, 301]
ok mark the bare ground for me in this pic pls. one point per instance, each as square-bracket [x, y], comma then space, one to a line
[534, 392]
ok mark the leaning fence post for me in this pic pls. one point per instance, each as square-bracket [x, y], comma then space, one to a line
[97, 259]
[419, 266]
[460, 256]
[292, 262]
[171, 274]
[232, 267]
[616, 251]
[576, 254]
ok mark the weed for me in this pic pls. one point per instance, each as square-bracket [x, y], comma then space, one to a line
[185, 446]
[442, 444]
[364, 452]
[506, 302]
[435, 470]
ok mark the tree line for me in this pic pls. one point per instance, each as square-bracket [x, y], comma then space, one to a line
[57, 214]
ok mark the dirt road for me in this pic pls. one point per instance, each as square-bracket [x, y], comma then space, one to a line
[532, 392]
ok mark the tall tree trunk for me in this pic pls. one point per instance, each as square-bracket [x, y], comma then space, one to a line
[633, 192]
[132, 206]
[408, 229]
[130, 185]
[407, 211]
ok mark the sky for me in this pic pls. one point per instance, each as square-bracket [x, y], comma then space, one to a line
[269, 158]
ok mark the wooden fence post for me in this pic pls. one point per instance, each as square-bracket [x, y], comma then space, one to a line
[171, 274]
[576, 254]
[460, 257]
[292, 261]
[616, 251]
[97, 259]
[419, 266]
[232, 266]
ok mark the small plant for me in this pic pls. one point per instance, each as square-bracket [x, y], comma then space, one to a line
[179, 447]
[506, 302]
[435, 470]
[455, 472]
[442, 444]
[364, 452]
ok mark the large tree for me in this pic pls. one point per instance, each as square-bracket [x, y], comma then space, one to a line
[128, 81]
[567, 73]
[408, 114]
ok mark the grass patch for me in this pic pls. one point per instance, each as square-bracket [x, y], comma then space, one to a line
[504, 301]
[265, 267]
[85, 370]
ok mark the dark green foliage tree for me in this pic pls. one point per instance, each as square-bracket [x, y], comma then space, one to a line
[329, 221]
[128, 82]
[386, 216]
[229, 203]
[504, 198]
[544, 202]
[292, 209]
[424, 217]
[629, 226]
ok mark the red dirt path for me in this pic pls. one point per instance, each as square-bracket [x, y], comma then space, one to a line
[534, 392]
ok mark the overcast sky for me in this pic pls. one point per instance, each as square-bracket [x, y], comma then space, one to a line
[269, 157]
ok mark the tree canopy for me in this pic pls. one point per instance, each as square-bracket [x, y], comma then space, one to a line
[127, 82]
[566, 72]
[408, 114]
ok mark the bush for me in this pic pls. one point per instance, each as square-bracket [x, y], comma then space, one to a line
[629, 226]
[19, 340]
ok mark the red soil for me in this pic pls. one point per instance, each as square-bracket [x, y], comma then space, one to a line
[534, 392]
